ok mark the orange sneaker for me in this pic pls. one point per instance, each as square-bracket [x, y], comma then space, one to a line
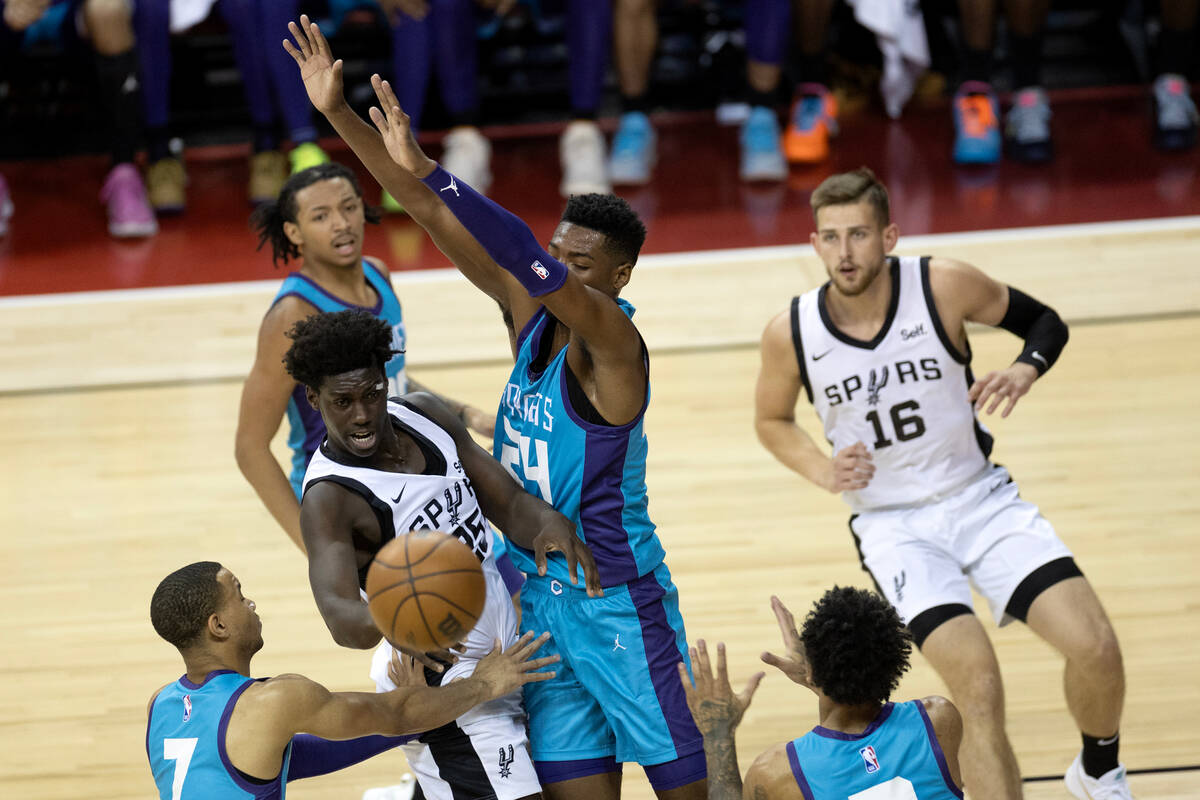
[811, 124]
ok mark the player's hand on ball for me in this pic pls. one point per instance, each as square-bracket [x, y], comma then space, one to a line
[504, 671]
[560, 535]
[1011, 384]
[714, 706]
[322, 75]
[851, 469]
[792, 663]
[436, 660]
[396, 129]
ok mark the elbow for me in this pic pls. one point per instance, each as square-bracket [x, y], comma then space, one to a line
[355, 637]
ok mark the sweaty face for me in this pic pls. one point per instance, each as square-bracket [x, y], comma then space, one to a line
[852, 242]
[238, 612]
[354, 408]
[330, 222]
[587, 254]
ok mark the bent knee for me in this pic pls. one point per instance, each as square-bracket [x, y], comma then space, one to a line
[105, 13]
[1101, 652]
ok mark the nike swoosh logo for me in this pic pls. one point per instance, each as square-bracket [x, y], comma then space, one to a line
[396, 499]
[1107, 742]
[1039, 357]
[822, 355]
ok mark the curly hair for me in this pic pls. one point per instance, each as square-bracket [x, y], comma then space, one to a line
[336, 342]
[268, 218]
[611, 216]
[183, 602]
[856, 646]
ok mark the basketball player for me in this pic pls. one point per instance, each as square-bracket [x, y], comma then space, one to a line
[881, 351]
[569, 429]
[851, 654]
[319, 219]
[391, 466]
[218, 733]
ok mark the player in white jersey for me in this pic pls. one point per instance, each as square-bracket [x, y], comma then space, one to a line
[390, 467]
[882, 353]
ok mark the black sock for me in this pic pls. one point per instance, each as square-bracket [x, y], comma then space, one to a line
[765, 99]
[1100, 755]
[639, 103]
[813, 68]
[977, 65]
[265, 138]
[120, 92]
[584, 116]
[1025, 53]
[1175, 49]
[468, 118]
[158, 144]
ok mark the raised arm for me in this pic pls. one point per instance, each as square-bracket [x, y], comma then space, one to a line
[524, 519]
[329, 516]
[964, 293]
[775, 398]
[264, 400]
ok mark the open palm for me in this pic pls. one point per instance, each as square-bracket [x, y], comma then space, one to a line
[395, 127]
[322, 75]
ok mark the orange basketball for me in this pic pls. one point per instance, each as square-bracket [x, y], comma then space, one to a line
[425, 590]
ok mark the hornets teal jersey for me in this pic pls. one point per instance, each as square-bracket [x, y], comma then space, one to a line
[593, 474]
[307, 429]
[896, 758]
[185, 740]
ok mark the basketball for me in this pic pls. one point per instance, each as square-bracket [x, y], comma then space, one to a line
[425, 590]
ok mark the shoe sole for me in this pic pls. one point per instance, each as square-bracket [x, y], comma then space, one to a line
[133, 230]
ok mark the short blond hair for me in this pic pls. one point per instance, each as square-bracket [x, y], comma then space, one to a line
[853, 187]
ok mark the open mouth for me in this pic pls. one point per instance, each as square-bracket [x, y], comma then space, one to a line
[345, 247]
[362, 440]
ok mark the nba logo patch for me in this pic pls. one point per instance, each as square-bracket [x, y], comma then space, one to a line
[187, 707]
[870, 762]
[539, 270]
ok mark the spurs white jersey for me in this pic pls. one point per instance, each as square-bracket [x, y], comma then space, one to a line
[903, 394]
[441, 498]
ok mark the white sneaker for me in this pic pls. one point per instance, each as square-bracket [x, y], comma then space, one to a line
[1109, 786]
[401, 791]
[468, 154]
[583, 154]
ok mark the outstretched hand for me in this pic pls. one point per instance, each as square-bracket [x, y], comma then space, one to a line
[396, 129]
[792, 663]
[560, 535]
[505, 671]
[715, 708]
[322, 75]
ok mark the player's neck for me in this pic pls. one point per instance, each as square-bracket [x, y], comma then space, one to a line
[846, 718]
[869, 308]
[344, 282]
[201, 665]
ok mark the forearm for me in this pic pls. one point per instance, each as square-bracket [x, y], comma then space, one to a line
[724, 777]
[272, 486]
[1044, 332]
[425, 708]
[796, 450]
[523, 518]
[350, 623]
[368, 145]
[312, 755]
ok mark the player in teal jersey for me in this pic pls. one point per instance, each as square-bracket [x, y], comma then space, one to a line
[851, 653]
[319, 219]
[217, 734]
[569, 429]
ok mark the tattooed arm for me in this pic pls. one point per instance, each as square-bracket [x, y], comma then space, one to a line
[717, 711]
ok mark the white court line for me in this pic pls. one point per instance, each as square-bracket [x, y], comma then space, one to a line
[657, 261]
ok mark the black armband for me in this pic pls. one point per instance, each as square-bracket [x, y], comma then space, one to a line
[1044, 332]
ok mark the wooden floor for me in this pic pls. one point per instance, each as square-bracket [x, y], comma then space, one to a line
[118, 417]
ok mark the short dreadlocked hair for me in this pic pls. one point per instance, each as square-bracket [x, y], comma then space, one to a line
[611, 216]
[856, 646]
[183, 602]
[332, 343]
[268, 218]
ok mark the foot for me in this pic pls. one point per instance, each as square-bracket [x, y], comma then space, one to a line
[129, 212]
[581, 151]
[6, 206]
[811, 124]
[1175, 116]
[633, 150]
[305, 155]
[268, 173]
[468, 154]
[976, 125]
[1109, 786]
[1027, 126]
[401, 791]
[762, 157]
[165, 181]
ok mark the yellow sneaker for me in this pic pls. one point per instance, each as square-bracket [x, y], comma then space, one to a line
[390, 204]
[306, 155]
[268, 173]
[165, 181]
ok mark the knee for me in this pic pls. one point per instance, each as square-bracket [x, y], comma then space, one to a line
[1101, 655]
[108, 14]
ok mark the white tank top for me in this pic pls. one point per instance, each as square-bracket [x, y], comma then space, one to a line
[903, 394]
[441, 498]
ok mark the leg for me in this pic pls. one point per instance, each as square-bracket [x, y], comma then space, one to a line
[467, 153]
[290, 97]
[961, 653]
[1175, 115]
[813, 119]
[635, 37]
[412, 57]
[767, 26]
[581, 149]
[604, 786]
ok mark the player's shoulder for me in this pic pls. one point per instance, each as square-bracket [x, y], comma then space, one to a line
[378, 263]
[287, 311]
[780, 325]
[771, 776]
[944, 716]
[153, 697]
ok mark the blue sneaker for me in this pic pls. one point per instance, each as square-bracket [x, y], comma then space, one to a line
[1027, 127]
[976, 124]
[762, 155]
[633, 150]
